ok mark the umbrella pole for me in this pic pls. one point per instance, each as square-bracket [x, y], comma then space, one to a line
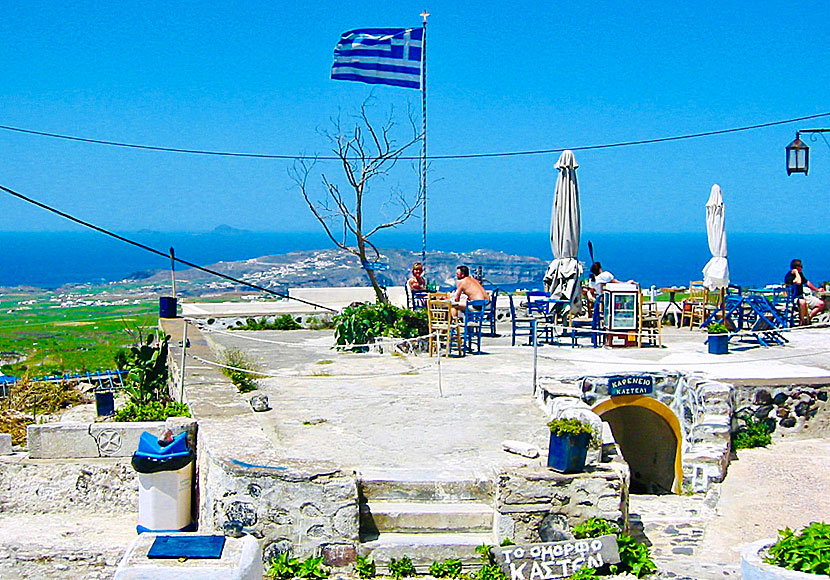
[723, 305]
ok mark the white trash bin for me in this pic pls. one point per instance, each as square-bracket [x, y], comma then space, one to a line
[165, 482]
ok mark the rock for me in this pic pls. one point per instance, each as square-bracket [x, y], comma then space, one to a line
[782, 413]
[806, 398]
[554, 528]
[763, 412]
[259, 403]
[788, 422]
[802, 408]
[763, 397]
[780, 398]
[520, 448]
[822, 396]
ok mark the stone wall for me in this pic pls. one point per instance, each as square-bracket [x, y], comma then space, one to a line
[299, 509]
[791, 410]
[32, 487]
[536, 504]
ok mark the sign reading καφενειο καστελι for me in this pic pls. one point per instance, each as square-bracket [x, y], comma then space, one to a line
[630, 385]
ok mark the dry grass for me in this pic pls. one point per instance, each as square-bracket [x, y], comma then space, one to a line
[27, 399]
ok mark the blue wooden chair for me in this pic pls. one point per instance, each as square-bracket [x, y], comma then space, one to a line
[473, 323]
[537, 302]
[415, 299]
[521, 326]
[490, 312]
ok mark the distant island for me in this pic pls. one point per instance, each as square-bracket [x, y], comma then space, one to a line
[332, 268]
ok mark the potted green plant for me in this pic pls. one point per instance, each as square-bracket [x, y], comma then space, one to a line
[569, 441]
[718, 339]
[799, 555]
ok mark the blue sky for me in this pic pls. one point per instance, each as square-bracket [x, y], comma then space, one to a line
[255, 78]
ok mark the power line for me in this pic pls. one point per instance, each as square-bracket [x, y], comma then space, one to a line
[406, 157]
[155, 251]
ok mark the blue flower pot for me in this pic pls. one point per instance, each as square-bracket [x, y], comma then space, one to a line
[567, 452]
[718, 343]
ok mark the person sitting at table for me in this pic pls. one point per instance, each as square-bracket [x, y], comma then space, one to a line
[599, 278]
[796, 278]
[417, 282]
[468, 289]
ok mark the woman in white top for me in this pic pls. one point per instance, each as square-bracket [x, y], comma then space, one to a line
[599, 279]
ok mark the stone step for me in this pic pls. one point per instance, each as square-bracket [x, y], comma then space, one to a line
[417, 517]
[424, 549]
[410, 485]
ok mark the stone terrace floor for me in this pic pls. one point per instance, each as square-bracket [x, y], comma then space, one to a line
[390, 411]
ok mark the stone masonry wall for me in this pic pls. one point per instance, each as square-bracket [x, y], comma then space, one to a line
[793, 410]
[103, 486]
[535, 504]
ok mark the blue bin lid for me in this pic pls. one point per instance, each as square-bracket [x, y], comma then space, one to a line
[148, 446]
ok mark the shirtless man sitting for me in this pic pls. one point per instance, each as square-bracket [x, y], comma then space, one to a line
[468, 287]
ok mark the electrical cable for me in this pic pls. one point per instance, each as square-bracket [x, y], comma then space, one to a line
[155, 251]
[406, 157]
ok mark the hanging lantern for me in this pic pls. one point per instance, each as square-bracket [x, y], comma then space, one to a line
[798, 156]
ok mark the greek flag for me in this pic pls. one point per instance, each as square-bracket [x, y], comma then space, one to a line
[386, 56]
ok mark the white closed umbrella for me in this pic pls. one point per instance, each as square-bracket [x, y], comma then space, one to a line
[563, 274]
[716, 271]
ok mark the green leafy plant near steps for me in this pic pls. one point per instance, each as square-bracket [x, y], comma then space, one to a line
[635, 558]
[450, 568]
[401, 568]
[365, 567]
[244, 373]
[489, 569]
[806, 551]
[284, 567]
[752, 433]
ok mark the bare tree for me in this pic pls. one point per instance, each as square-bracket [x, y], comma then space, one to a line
[367, 153]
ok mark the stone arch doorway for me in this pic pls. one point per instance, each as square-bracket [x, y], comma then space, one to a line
[648, 434]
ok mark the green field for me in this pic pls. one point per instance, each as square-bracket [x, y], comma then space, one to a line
[45, 332]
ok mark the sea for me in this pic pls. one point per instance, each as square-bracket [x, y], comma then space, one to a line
[52, 259]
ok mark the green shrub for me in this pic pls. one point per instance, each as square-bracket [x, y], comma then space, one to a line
[488, 572]
[244, 373]
[717, 328]
[561, 427]
[401, 568]
[284, 322]
[751, 434]
[152, 411]
[284, 567]
[363, 323]
[807, 551]
[450, 568]
[146, 366]
[365, 567]
[634, 558]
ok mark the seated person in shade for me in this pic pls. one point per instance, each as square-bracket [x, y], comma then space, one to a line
[599, 278]
[417, 282]
[808, 305]
[468, 289]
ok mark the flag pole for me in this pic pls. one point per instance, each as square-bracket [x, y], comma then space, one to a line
[424, 15]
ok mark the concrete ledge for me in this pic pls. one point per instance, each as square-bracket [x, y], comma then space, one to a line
[753, 566]
[241, 560]
[82, 440]
[5, 444]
